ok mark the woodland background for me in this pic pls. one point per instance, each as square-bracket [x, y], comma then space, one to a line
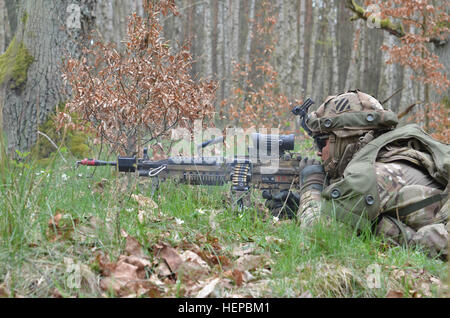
[303, 48]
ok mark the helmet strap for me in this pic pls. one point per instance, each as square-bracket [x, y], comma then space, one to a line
[331, 163]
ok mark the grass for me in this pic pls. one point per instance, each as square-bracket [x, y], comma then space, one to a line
[97, 208]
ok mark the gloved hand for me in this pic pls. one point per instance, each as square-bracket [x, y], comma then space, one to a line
[305, 162]
[312, 177]
[283, 204]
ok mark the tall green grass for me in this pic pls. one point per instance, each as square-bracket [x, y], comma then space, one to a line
[328, 260]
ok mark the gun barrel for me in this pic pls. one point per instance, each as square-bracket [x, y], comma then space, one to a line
[94, 162]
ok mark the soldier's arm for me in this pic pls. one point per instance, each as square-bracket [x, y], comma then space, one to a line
[401, 185]
[312, 180]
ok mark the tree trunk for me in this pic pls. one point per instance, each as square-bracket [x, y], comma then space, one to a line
[334, 58]
[207, 50]
[4, 26]
[248, 42]
[307, 43]
[443, 53]
[214, 38]
[346, 34]
[248, 46]
[226, 23]
[359, 80]
[104, 12]
[46, 31]
[384, 89]
[235, 9]
[323, 48]
[301, 45]
[11, 15]
[312, 52]
[286, 55]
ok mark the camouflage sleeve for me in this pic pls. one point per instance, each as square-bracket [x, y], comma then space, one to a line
[400, 185]
[312, 180]
[309, 210]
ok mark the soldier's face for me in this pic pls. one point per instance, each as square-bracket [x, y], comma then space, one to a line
[325, 153]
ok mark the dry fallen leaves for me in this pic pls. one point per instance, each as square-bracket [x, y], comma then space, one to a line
[243, 249]
[394, 294]
[99, 187]
[238, 277]
[88, 282]
[201, 272]
[134, 248]
[3, 292]
[193, 266]
[144, 202]
[61, 226]
[169, 255]
[420, 283]
[249, 262]
[129, 276]
[208, 289]
[88, 230]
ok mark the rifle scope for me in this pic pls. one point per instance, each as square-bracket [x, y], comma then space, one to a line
[266, 142]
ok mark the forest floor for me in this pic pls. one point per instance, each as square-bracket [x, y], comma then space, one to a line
[67, 232]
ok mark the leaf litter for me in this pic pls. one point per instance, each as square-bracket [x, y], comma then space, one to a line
[198, 271]
[207, 271]
[204, 268]
[408, 281]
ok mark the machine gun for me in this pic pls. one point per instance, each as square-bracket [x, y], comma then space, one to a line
[271, 166]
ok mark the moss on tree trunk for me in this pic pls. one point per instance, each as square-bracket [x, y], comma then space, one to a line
[14, 64]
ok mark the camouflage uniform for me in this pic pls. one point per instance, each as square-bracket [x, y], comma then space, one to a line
[375, 170]
[399, 185]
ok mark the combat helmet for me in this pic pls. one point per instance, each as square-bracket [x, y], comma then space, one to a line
[347, 120]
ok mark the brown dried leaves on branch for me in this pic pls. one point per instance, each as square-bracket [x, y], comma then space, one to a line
[421, 23]
[137, 95]
[418, 23]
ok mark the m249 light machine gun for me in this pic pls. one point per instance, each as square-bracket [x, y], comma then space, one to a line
[271, 166]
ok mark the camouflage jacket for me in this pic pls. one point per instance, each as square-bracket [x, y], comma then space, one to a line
[393, 171]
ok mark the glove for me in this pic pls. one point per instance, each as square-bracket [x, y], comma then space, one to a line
[312, 177]
[283, 204]
[305, 162]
